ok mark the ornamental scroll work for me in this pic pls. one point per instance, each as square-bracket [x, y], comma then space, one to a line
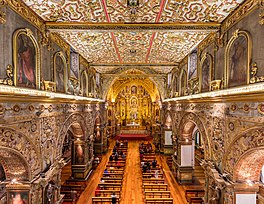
[253, 75]
[8, 80]
[2, 13]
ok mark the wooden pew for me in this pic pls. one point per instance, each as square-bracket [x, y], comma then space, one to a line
[110, 186]
[157, 194]
[153, 180]
[196, 200]
[107, 193]
[151, 175]
[111, 181]
[189, 193]
[155, 187]
[103, 200]
[159, 200]
[114, 175]
[72, 187]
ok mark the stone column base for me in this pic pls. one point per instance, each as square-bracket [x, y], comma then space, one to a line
[184, 174]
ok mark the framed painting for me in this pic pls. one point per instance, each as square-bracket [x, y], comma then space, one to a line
[74, 68]
[26, 59]
[84, 83]
[237, 59]
[192, 65]
[206, 72]
[18, 196]
[60, 72]
[183, 82]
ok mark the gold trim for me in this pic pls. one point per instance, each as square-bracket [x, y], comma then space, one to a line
[65, 77]
[61, 43]
[211, 74]
[29, 33]
[9, 80]
[235, 35]
[207, 41]
[261, 15]
[2, 13]
[254, 78]
[117, 27]
[84, 73]
[83, 61]
[243, 10]
[20, 7]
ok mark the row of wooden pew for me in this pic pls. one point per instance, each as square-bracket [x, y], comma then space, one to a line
[155, 188]
[111, 181]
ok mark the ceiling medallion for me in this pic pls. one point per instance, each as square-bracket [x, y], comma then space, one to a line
[133, 5]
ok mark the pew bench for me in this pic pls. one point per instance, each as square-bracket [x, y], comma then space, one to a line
[103, 200]
[196, 200]
[159, 200]
[153, 180]
[110, 186]
[157, 194]
[107, 193]
[113, 175]
[189, 193]
[155, 187]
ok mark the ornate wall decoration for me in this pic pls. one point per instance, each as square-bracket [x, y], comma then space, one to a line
[15, 140]
[253, 74]
[2, 13]
[238, 55]
[248, 140]
[61, 43]
[26, 59]
[9, 80]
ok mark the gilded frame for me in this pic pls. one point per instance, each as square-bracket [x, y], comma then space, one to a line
[74, 62]
[28, 33]
[84, 74]
[211, 70]
[235, 35]
[195, 72]
[65, 78]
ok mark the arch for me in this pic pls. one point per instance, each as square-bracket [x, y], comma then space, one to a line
[75, 122]
[29, 34]
[56, 66]
[249, 166]
[244, 142]
[235, 36]
[14, 165]
[21, 143]
[84, 76]
[190, 119]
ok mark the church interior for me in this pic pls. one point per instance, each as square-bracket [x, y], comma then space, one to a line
[131, 101]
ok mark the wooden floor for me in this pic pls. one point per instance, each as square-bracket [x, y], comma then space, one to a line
[132, 182]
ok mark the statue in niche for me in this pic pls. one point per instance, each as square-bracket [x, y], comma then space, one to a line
[133, 90]
[134, 103]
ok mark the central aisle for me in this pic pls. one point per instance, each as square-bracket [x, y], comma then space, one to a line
[132, 184]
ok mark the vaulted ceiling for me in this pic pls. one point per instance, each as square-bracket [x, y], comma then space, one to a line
[109, 33]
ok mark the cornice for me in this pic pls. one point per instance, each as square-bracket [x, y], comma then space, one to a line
[243, 10]
[116, 27]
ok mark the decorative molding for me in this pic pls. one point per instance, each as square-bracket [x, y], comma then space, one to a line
[84, 62]
[19, 7]
[116, 27]
[215, 85]
[61, 43]
[2, 13]
[9, 79]
[261, 15]
[207, 41]
[239, 14]
[253, 72]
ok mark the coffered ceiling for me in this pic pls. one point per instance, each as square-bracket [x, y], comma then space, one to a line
[155, 32]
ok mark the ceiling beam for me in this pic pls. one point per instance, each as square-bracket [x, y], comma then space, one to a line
[117, 27]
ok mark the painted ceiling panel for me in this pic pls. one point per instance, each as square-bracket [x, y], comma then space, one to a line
[94, 46]
[174, 46]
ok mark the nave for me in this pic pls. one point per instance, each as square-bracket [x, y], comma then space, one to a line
[136, 187]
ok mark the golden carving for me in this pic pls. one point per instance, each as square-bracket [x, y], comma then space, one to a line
[207, 41]
[238, 14]
[261, 15]
[49, 86]
[2, 13]
[235, 35]
[84, 62]
[215, 85]
[29, 33]
[254, 78]
[61, 43]
[24, 11]
[9, 79]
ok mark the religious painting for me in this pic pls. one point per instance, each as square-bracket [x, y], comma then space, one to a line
[74, 68]
[84, 83]
[60, 67]
[192, 65]
[183, 82]
[206, 72]
[79, 154]
[133, 90]
[238, 57]
[18, 197]
[49, 193]
[26, 59]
